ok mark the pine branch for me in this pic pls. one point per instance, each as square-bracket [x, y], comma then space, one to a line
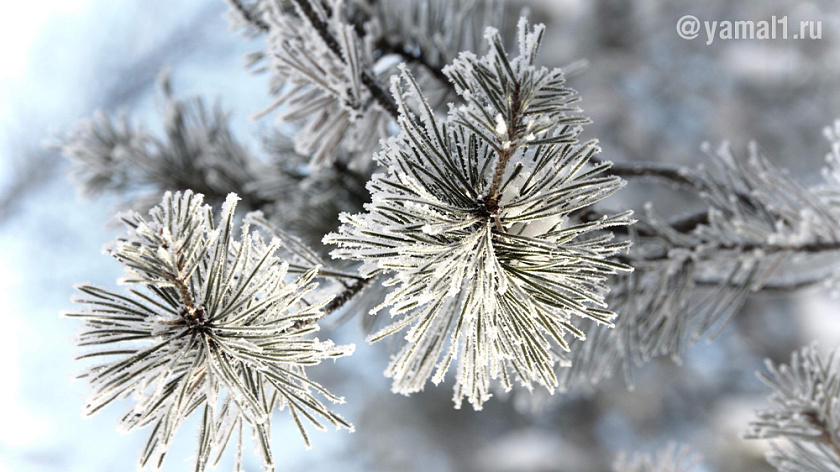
[348, 294]
[327, 55]
[763, 249]
[431, 33]
[761, 231]
[683, 224]
[803, 422]
[680, 176]
[197, 152]
[504, 148]
[779, 286]
[211, 324]
[472, 270]
[374, 87]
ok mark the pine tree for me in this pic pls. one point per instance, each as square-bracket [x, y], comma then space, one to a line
[448, 180]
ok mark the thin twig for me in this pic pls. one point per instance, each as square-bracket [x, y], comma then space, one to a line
[506, 149]
[813, 248]
[336, 303]
[351, 291]
[781, 287]
[683, 224]
[681, 176]
[191, 312]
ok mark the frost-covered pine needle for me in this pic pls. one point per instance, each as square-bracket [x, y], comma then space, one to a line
[803, 422]
[471, 221]
[671, 459]
[209, 325]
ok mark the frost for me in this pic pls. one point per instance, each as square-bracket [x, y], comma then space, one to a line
[196, 150]
[803, 421]
[203, 311]
[760, 229]
[470, 235]
[501, 126]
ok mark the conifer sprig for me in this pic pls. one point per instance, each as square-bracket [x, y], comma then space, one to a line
[210, 324]
[489, 270]
[803, 422]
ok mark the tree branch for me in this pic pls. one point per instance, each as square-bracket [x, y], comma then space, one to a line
[191, 313]
[351, 291]
[379, 94]
[681, 176]
[813, 248]
[506, 149]
[780, 287]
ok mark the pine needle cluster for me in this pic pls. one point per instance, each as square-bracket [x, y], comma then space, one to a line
[209, 325]
[471, 223]
[803, 422]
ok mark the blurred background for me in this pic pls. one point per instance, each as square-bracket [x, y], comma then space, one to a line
[652, 96]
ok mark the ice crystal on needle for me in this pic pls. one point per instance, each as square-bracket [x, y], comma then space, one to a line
[209, 324]
[471, 222]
